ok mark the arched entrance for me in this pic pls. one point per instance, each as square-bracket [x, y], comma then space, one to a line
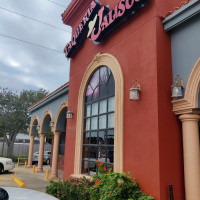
[189, 113]
[45, 130]
[59, 140]
[33, 132]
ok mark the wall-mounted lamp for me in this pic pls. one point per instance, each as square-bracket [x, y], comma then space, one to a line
[177, 87]
[135, 91]
[51, 123]
[28, 129]
[37, 127]
[69, 114]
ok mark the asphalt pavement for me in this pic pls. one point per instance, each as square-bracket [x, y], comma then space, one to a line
[34, 181]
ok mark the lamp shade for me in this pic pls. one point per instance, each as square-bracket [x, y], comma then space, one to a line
[134, 94]
[177, 91]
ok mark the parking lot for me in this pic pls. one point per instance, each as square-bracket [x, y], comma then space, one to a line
[34, 181]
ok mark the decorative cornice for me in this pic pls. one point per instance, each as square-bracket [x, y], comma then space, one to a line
[188, 11]
[69, 16]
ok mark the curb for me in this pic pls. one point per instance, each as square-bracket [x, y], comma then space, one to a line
[19, 182]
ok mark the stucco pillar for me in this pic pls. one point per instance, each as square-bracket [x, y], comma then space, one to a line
[41, 152]
[30, 154]
[54, 171]
[191, 153]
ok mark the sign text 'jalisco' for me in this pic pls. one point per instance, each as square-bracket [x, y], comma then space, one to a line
[101, 21]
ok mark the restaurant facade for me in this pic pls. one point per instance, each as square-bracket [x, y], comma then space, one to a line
[124, 57]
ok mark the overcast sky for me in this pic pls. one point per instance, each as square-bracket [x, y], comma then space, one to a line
[24, 66]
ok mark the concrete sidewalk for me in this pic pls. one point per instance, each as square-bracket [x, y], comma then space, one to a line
[36, 181]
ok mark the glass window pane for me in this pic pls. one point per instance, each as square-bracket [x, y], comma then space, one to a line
[85, 152]
[104, 74]
[102, 154]
[110, 137]
[95, 94]
[93, 153]
[111, 85]
[110, 154]
[102, 121]
[95, 80]
[93, 139]
[88, 110]
[86, 139]
[111, 104]
[94, 123]
[92, 167]
[88, 94]
[85, 166]
[87, 124]
[111, 120]
[95, 108]
[102, 136]
[103, 106]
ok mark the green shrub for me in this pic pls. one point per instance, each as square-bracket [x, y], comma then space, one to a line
[70, 189]
[115, 186]
[104, 186]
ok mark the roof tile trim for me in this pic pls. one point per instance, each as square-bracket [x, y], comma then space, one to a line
[176, 8]
[48, 95]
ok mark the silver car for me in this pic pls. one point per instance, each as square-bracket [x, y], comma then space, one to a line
[46, 157]
[12, 193]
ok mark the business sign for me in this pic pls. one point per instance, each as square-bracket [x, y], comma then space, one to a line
[101, 21]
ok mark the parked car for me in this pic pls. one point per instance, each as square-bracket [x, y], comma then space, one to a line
[46, 157]
[6, 164]
[12, 193]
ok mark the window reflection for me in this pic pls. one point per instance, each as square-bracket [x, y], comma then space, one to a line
[98, 137]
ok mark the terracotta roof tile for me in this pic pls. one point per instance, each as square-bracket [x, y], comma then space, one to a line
[183, 3]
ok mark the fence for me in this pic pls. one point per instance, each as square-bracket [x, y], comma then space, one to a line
[22, 149]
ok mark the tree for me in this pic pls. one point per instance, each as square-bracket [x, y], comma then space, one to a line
[14, 117]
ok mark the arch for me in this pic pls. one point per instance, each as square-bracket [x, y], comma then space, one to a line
[33, 120]
[98, 61]
[47, 112]
[63, 105]
[189, 104]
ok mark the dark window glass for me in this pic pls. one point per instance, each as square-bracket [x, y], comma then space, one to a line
[98, 137]
[62, 144]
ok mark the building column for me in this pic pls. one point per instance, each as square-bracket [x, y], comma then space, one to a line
[30, 155]
[41, 152]
[56, 144]
[190, 131]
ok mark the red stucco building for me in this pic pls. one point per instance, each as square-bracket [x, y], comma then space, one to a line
[147, 139]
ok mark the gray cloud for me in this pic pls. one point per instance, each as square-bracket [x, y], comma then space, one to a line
[23, 66]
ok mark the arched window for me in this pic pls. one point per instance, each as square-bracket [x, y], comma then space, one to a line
[98, 133]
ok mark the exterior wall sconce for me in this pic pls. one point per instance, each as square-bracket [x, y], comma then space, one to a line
[51, 124]
[28, 129]
[37, 127]
[177, 87]
[135, 91]
[69, 114]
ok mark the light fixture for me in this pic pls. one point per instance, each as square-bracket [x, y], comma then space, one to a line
[28, 129]
[135, 91]
[177, 87]
[51, 123]
[69, 114]
[37, 127]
